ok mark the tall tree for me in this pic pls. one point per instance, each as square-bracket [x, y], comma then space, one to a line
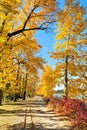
[71, 34]
[19, 20]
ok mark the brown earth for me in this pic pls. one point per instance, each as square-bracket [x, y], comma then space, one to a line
[32, 114]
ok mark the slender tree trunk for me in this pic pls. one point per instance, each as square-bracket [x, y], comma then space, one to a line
[24, 95]
[17, 79]
[1, 96]
[25, 86]
[66, 78]
[0, 102]
[15, 97]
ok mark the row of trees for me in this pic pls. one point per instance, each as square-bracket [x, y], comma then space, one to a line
[19, 62]
[70, 52]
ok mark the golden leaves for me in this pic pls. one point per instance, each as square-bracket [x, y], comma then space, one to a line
[69, 53]
[49, 78]
[18, 51]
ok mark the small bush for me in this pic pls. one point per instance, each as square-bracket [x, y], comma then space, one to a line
[74, 108]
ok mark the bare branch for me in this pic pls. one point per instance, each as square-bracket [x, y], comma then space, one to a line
[43, 26]
[28, 17]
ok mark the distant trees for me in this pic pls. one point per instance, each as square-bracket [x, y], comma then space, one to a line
[49, 79]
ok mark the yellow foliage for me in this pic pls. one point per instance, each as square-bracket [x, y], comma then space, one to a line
[70, 39]
[49, 79]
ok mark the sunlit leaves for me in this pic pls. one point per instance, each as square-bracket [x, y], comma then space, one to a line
[70, 39]
[49, 78]
[19, 48]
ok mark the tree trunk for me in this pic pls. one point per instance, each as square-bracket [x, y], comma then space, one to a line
[66, 78]
[1, 96]
[24, 95]
[17, 79]
[15, 97]
[0, 101]
[24, 87]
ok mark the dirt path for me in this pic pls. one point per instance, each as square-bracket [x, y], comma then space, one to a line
[32, 115]
[44, 119]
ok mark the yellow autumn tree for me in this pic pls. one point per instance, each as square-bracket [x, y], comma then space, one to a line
[49, 79]
[70, 37]
[14, 26]
[25, 61]
[19, 20]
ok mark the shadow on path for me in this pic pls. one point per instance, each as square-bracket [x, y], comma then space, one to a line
[33, 127]
[38, 117]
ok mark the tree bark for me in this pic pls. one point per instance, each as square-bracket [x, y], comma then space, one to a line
[24, 89]
[24, 95]
[17, 78]
[66, 78]
[1, 96]
[15, 97]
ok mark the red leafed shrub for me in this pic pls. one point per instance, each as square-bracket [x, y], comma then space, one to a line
[54, 100]
[74, 108]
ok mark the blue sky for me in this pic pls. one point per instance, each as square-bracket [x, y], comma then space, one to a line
[46, 39]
